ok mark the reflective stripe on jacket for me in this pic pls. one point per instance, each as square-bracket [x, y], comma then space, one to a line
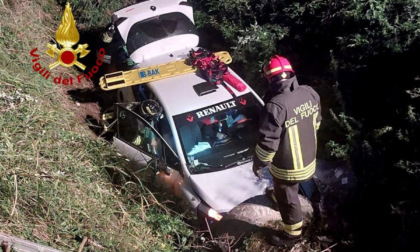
[288, 131]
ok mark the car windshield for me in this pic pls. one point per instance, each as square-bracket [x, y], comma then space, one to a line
[158, 27]
[220, 136]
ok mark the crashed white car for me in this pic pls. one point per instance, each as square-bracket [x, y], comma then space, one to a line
[202, 145]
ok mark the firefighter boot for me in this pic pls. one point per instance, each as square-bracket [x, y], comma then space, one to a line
[283, 239]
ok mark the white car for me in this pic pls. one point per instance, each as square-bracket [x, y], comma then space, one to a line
[206, 141]
[206, 134]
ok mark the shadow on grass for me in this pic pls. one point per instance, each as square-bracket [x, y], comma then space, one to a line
[95, 68]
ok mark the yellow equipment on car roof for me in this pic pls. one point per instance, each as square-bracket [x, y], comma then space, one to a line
[138, 76]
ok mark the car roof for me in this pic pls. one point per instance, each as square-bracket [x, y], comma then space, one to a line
[177, 95]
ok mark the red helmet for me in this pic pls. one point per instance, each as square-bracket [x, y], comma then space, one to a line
[277, 65]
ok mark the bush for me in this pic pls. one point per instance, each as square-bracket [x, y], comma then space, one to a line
[366, 46]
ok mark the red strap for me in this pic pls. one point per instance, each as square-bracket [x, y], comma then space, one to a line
[234, 82]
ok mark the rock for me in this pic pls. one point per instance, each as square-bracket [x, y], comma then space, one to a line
[256, 214]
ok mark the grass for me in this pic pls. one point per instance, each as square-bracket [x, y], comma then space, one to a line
[54, 184]
[93, 14]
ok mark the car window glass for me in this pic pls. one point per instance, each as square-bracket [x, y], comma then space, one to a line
[143, 93]
[152, 29]
[134, 131]
[159, 27]
[169, 157]
[220, 136]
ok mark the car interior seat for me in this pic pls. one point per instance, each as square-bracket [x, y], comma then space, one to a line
[190, 135]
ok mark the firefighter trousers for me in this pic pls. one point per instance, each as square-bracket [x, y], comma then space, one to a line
[286, 194]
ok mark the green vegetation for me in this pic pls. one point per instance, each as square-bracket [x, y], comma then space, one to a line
[55, 182]
[359, 56]
[56, 177]
[94, 14]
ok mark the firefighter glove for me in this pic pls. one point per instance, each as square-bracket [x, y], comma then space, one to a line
[108, 34]
[257, 166]
[257, 170]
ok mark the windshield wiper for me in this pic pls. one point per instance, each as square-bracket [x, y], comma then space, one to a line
[203, 167]
[207, 165]
[236, 153]
[240, 161]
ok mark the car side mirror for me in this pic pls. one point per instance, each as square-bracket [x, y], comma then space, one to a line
[158, 165]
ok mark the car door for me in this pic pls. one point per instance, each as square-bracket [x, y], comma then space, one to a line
[141, 143]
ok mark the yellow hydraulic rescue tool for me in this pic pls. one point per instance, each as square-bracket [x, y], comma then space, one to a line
[137, 76]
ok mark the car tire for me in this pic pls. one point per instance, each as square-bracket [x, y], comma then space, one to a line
[255, 214]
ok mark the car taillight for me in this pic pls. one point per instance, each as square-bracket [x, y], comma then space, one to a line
[214, 214]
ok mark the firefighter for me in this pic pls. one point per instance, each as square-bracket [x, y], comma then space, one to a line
[287, 143]
[115, 48]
